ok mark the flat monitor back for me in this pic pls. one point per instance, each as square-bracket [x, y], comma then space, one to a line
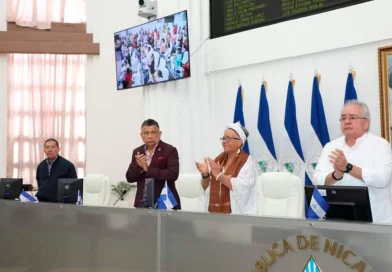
[10, 188]
[349, 203]
[148, 200]
[67, 190]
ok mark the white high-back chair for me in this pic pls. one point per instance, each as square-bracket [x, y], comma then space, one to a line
[281, 194]
[96, 190]
[191, 193]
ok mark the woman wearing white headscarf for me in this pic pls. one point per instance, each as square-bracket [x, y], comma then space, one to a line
[230, 181]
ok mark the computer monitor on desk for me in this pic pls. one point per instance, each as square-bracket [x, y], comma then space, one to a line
[10, 188]
[27, 187]
[345, 202]
[67, 190]
[148, 199]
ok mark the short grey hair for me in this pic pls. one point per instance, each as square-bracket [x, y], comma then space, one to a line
[365, 109]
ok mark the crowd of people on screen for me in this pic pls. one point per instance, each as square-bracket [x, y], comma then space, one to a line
[154, 52]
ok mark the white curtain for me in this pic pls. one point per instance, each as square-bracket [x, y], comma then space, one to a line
[46, 93]
[185, 108]
[40, 13]
[46, 99]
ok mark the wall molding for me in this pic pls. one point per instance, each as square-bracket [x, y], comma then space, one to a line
[62, 38]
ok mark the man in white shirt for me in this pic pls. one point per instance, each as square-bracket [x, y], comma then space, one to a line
[359, 158]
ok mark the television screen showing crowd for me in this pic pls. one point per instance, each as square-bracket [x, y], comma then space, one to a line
[154, 52]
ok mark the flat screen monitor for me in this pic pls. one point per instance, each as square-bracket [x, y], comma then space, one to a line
[67, 190]
[27, 187]
[154, 52]
[10, 188]
[349, 203]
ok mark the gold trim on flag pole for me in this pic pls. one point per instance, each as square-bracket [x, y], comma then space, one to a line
[317, 74]
[292, 78]
[265, 83]
[352, 71]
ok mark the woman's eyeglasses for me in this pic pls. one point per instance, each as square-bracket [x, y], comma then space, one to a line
[228, 139]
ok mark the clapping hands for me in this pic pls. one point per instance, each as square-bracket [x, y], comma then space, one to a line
[141, 160]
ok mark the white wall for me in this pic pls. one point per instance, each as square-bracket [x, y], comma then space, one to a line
[112, 118]
[3, 94]
[333, 67]
[328, 42]
[182, 107]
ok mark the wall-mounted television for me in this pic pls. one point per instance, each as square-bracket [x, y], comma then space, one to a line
[154, 52]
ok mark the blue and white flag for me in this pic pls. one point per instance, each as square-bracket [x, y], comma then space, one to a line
[266, 159]
[351, 93]
[80, 200]
[319, 135]
[166, 200]
[239, 113]
[26, 197]
[291, 158]
[318, 206]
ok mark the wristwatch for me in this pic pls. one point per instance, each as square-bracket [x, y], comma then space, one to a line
[349, 167]
[206, 176]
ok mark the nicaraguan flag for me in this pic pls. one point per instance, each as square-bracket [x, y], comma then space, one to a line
[319, 135]
[239, 113]
[80, 200]
[166, 200]
[26, 197]
[292, 159]
[351, 93]
[267, 159]
[318, 206]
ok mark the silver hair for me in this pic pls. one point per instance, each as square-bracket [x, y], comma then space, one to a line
[365, 109]
[245, 131]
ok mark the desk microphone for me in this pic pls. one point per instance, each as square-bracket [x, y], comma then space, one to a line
[121, 197]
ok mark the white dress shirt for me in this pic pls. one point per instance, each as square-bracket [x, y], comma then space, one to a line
[243, 196]
[372, 154]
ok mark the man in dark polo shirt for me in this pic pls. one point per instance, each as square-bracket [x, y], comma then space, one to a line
[50, 170]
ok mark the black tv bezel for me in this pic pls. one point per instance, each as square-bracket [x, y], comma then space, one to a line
[155, 83]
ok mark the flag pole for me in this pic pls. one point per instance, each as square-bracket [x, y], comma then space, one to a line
[350, 68]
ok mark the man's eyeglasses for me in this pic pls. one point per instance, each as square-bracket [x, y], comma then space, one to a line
[152, 133]
[344, 118]
[228, 139]
[50, 147]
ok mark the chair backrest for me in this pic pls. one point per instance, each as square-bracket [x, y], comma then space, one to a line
[281, 194]
[96, 190]
[190, 191]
